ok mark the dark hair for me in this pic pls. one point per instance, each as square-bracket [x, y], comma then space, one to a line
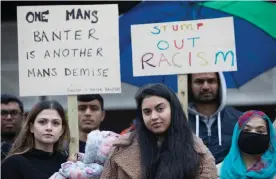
[190, 91]
[177, 157]
[91, 97]
[7, 98]
[25, 140]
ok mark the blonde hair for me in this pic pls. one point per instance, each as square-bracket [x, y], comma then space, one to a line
[25, 139]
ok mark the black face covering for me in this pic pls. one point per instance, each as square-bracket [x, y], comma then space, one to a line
[253, 143]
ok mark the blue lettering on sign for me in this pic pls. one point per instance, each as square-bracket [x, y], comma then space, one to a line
[225, 56]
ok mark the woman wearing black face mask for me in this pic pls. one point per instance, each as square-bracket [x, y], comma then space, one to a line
[253, 150]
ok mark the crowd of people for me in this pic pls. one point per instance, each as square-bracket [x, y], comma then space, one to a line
[216, 141]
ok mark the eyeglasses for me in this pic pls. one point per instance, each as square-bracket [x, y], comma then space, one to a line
[13, 113]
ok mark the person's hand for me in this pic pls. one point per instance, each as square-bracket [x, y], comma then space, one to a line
[76, 157]
[73, 157]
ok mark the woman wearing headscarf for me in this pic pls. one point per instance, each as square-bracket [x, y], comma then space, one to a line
[253, 150]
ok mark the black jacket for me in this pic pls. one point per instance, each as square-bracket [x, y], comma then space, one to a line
[216, 131]
[35, 164]
[5, 148]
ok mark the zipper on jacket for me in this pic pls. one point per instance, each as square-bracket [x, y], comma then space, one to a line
[209, 134]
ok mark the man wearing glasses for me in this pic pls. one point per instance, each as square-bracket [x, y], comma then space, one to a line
[11, 118]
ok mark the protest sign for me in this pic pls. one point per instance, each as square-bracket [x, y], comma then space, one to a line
[183, 47]
[68, 50]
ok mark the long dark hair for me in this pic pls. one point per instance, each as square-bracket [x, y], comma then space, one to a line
[25, 140]
[176, 158]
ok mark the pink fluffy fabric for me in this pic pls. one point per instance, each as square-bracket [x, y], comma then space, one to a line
[90, 164]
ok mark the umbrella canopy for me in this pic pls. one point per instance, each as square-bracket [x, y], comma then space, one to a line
[255, 35]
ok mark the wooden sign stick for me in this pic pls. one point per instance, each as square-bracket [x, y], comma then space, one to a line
[73, 122]
[182, 85]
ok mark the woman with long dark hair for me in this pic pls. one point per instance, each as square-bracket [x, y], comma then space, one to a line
[162, 145]
[37, 151]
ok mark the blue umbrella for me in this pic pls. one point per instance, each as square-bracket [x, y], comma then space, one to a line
[255, 47]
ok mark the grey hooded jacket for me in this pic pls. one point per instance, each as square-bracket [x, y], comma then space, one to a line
[215, 131]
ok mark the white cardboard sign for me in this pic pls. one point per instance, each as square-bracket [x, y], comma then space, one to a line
[68, 50]
[183, 47]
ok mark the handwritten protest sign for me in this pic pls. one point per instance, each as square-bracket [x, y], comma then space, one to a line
[183, 47]
[68, 50]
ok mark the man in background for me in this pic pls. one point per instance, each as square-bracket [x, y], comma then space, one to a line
[12, 112]
[90, 114]
[209, 118]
